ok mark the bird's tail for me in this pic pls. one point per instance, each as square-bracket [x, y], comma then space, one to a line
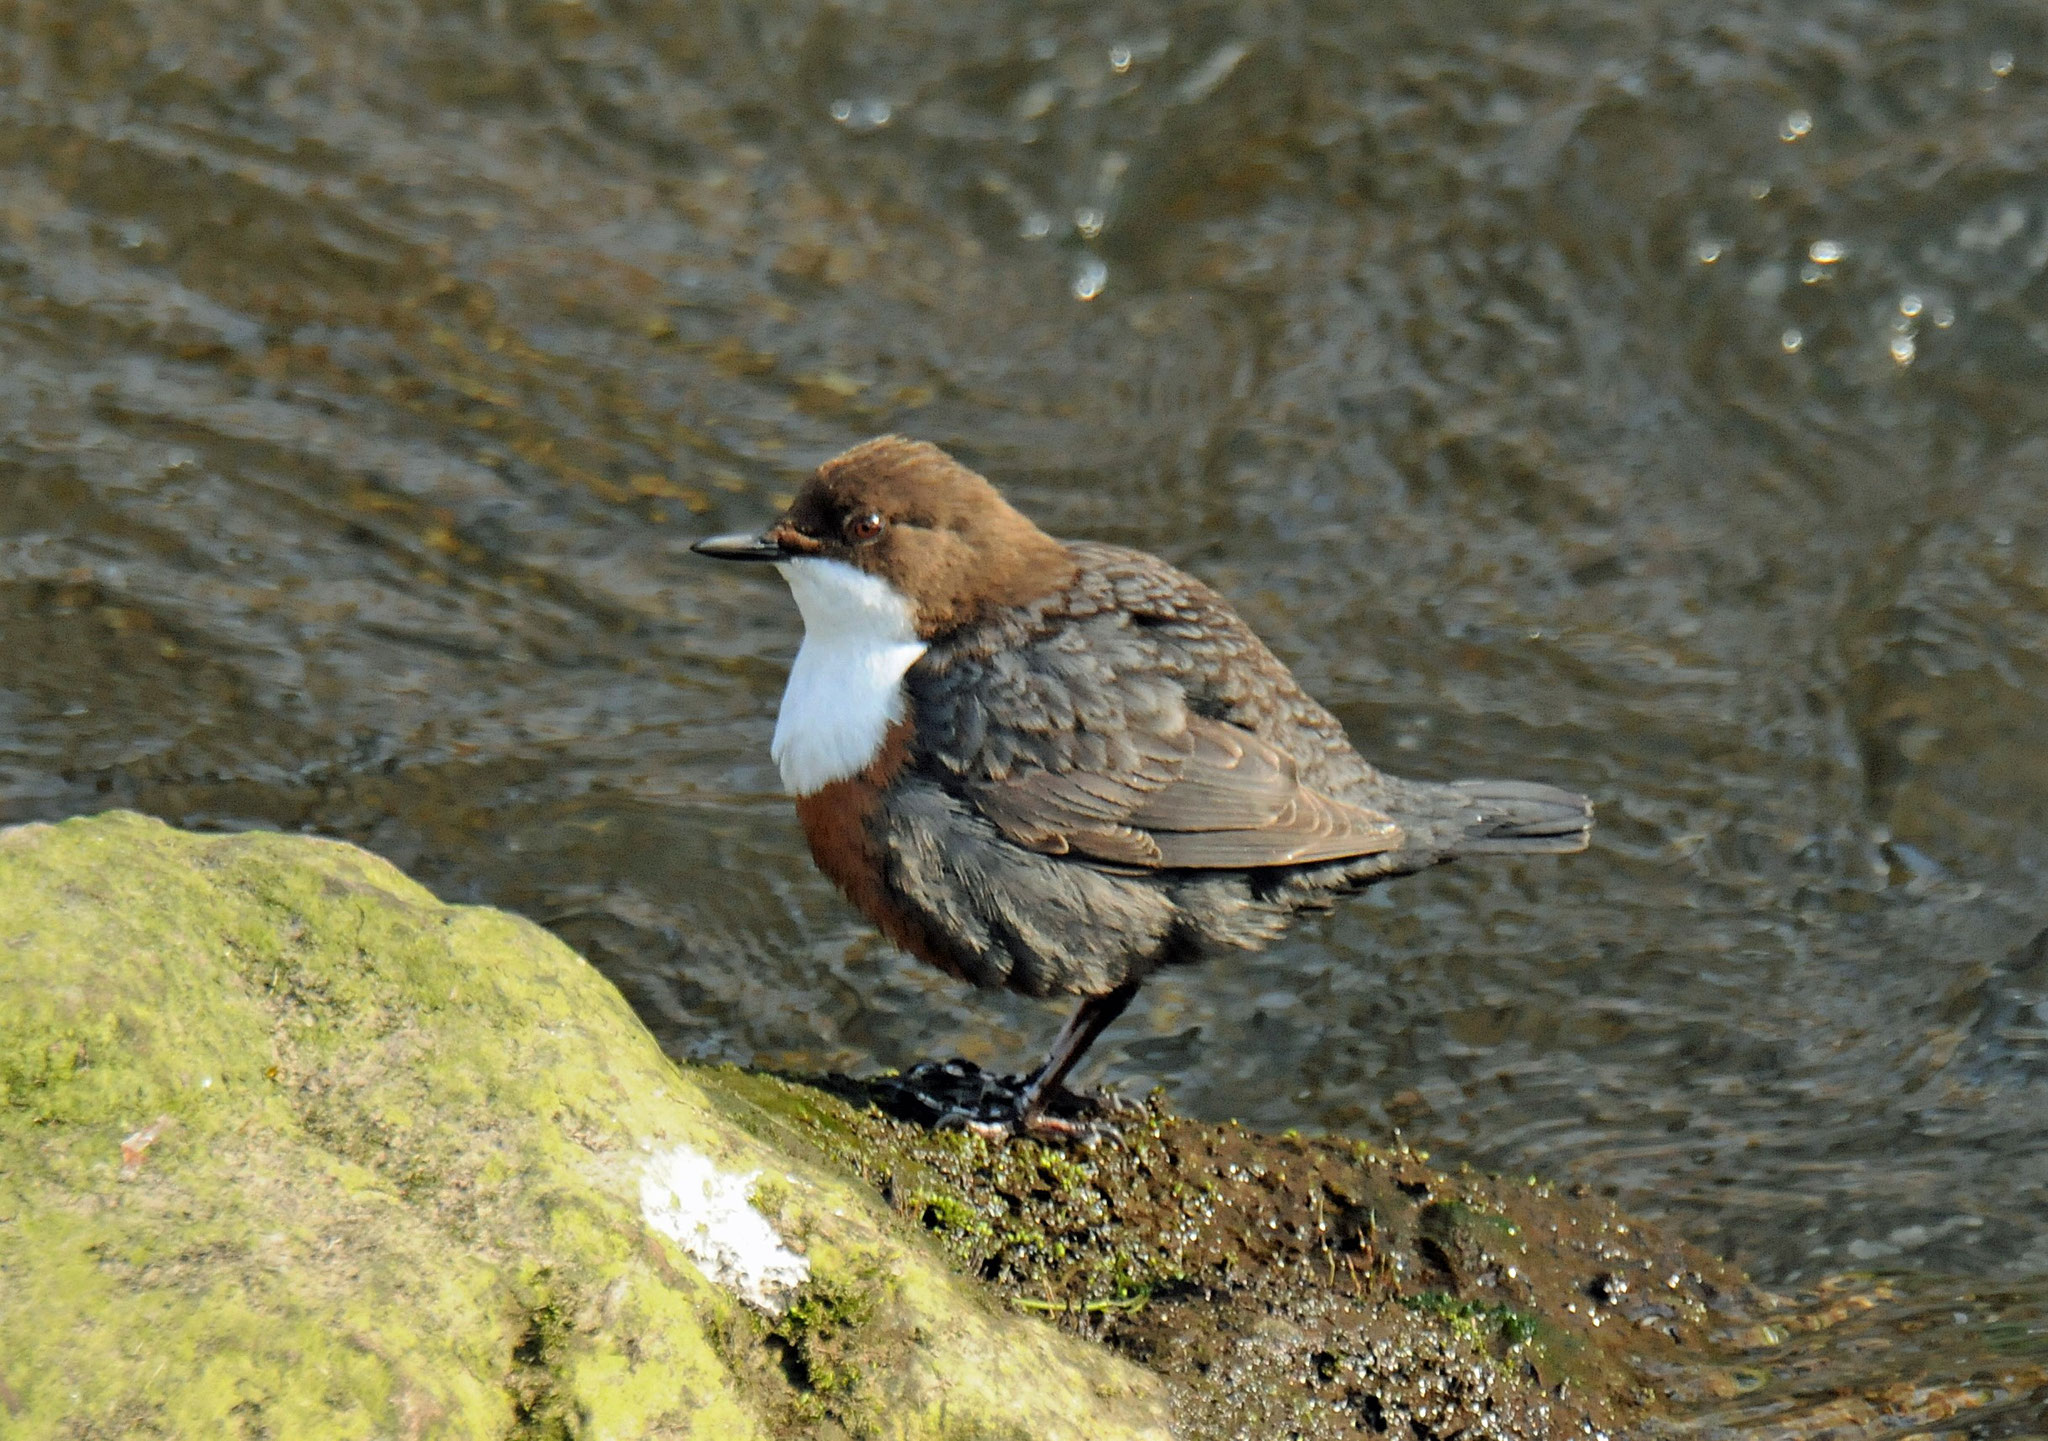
[1522, 818]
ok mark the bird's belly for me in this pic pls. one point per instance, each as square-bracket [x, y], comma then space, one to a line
[842, 822]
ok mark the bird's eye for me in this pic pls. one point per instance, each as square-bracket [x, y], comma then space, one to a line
[863, 527]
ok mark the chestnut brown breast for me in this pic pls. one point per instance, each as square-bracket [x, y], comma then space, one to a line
[840, 821]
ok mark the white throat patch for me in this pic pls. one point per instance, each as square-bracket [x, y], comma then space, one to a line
[846, 688]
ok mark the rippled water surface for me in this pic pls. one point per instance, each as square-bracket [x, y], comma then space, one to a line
[1647, 397]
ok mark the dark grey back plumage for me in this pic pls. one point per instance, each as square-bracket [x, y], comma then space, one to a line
[1119, 775]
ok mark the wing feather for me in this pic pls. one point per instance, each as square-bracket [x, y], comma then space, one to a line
[1222, 799]
[1131, 721]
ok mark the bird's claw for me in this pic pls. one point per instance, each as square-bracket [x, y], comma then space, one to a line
[958, 1095]
[1087, 1131]
[1038, 1127]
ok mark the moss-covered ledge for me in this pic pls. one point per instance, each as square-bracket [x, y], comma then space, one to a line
[1308, 1288]
[290, 1148]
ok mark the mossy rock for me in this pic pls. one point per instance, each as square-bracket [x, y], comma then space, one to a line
[1312, 1288]
[290, 1148]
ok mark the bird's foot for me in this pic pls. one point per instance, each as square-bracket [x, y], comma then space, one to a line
[1039, 1125]
[958, 1095]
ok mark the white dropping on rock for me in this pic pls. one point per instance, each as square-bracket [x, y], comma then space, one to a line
[710, 1214]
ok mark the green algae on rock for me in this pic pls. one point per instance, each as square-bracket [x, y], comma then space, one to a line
[289, 1147]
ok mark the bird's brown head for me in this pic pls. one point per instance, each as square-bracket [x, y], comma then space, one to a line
[909, 514]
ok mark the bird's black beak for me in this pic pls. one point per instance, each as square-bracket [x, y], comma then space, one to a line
[741, 547]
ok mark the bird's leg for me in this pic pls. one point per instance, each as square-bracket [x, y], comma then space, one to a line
[1091, 1020]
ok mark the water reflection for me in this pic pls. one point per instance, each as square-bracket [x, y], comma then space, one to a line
[368, 370]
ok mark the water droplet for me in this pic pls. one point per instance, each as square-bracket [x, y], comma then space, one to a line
[1759, 189]
[1791, 340]
[1088, 220]
[1825, 252]
[1090, 278]
[1119, 58]
[861, 114]
[1909, 304]
[1903, 349]
[1037, 225]
[1810, 274]
[1798, 123]
[1943, 317]
[1707, 251]
[2001, 63]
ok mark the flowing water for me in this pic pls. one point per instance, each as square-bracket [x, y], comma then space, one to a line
[1649, 397]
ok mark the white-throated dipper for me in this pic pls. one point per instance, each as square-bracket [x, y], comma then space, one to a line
[1057, 766]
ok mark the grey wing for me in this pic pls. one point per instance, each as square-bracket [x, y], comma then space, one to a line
[1109, 763]
[1239, 803]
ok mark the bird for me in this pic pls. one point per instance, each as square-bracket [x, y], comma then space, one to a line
[1059, 766]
